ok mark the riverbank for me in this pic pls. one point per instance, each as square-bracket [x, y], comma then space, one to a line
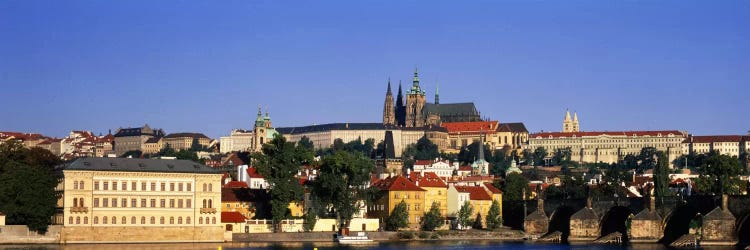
[500, 235]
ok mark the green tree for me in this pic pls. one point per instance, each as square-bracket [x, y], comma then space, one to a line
[341, 183]
[722, 172]
[27, 192]
[464, 215]
[306, 143]
[513, 187]
[469, 153]
[279, 163]
[647, 159]
[528, 156]
[477, 223]
[539, 154]
[494, 218]
[399, 217]
[310, 218]
[661, 175]
[424, 149]
[432, 219]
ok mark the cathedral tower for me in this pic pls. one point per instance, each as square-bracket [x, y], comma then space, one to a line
[389, 116]
[400, 109]
[567, 123]
[415, 102]
[575, 122]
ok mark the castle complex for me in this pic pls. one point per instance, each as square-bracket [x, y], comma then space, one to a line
[417, 112]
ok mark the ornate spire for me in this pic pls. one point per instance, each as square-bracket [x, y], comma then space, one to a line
[389, 87]
[437, 93]
[567, 115]
[575, 116]
[400, 97]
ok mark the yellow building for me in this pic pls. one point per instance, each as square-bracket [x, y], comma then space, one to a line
[139, 200]
[153, 145]
[479, 197]
[393, 190]
[186, 141]
[436, 190]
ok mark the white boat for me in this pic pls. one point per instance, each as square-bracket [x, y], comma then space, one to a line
[361, 237]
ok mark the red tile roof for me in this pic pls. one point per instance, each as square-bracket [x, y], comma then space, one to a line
[236, 184]
[232, 217]
[463, 127]
[464, 168]
[427, 179]
[423, 162]
[719, 138]
[492, 188]
[396, 183]
[475, 193]
[663, 133]
[252, 172]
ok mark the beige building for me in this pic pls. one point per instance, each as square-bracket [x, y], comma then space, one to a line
[323, 136]
[186, 141]
[608, 146]
[493, 133]
[732, 145]
[570, 125]
[153, 145]
[139, 200]
[130, 139]
[249, 141]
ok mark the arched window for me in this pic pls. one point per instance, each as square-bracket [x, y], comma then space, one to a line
[75, 200]
[75, 185]
[124, 220]
[96, 220]
[209, 203]
[161, 220]
[200, 220]
[153, 220]
[143, 219]
[86, 220]
[204, 187]
[204, 203]
[132, 220]
[171, 220]
[78, 220]
[210, 188]
[114, 220]
[80, 185]
[80, 203]
[187, 220]
[104, 220]
[179, 220]
[70, 220]
[213, 220]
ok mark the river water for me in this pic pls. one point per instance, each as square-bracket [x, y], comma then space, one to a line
[423, 245]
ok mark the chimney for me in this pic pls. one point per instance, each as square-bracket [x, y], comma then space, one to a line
[725, 202]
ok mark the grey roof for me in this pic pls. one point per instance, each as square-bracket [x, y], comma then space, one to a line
[138, 165]
[192, 135]
[145, 130]
[585, 214]
[647, 214]
[516, 127]
[153, 140]
[536, 215]
[452, 109]
[349, 126]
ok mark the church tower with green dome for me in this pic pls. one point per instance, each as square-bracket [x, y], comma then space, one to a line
[262, 131]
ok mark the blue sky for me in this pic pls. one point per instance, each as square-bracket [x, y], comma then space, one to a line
[206, 66]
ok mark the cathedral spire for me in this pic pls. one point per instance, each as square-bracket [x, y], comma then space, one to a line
[567, 115]
[389, 87]
[575, 116]
[437, 93]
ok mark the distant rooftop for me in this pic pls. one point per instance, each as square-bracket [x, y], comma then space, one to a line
[138, 165]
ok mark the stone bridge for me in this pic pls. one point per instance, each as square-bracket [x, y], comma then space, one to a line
[715, 219]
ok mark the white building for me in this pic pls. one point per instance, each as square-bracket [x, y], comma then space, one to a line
[442, 168]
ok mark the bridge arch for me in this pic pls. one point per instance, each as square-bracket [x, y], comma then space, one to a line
[560, 221]
[615, 220]
[678, 223]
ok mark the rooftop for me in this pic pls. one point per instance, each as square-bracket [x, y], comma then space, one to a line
[138, 165]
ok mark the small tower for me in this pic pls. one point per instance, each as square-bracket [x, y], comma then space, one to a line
[389, 117]
[575, 122]
[400, 110]
[415, 102]
[437, 94]
[567, 123]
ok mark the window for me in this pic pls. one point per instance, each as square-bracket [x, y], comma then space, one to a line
[96, 220]
[229, 206]
[163, 186]
[96, 202]
[189, 203]
[132, 220]
[133, 203]
[171, 220]
[75, 185]
[124, 186]
[153, 220]
[171, 203]
[210, 187]
[105, 202]
[124, 202]
[80, 186]
[75, 202]
[78, 220]
[114, 202]
[106, 185]
[204, 187]
[114, 220]
[133, 185]
[153, 186]
[204, 203]
[171, 187]
[209, 203]
[179, 203]
[114, 187]
[161, 220]
[179, 187]
[143, 186]
[187, 220]
[153, 202]
[143, 202]
[96, 185]
[213, 220]
[70, 220]
[200, 220]
[189, 187]
[124, 220]
[143, 219]
[179, 220]
[104, 219]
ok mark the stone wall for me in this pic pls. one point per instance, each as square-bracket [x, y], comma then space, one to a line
[20, 234]
[129, 234]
